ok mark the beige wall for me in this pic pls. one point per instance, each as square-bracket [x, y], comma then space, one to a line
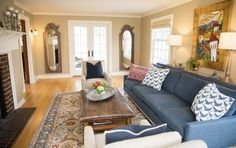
[40, 23]
[182, 24]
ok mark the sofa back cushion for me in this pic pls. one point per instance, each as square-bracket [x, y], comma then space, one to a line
[231, 93]
[171, 80]
[188, 86]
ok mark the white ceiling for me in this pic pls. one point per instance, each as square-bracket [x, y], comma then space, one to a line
[135, 8]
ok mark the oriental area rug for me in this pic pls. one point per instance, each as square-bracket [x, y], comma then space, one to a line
[61, 126]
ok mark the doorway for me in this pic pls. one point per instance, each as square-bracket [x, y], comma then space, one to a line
[24, 53]
[88, 40]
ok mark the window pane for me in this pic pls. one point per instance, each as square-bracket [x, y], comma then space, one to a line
[100, 42]
[80, 44]
[160, 48]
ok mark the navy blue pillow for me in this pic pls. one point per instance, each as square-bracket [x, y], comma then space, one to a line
[94, 71]
[133, 131]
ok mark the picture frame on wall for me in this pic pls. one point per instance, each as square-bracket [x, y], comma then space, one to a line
[209, 22]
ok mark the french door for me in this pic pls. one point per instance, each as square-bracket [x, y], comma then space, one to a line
[88, 40]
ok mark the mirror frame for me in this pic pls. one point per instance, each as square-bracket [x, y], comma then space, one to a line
[130, 29]
[59, 67]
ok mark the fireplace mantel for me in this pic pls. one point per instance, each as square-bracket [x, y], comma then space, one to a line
[9, 40]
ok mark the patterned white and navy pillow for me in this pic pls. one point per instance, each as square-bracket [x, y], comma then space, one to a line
[155, 77]
[210, 103]
[133, 131]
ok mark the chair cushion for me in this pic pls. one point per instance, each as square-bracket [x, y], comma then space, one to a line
[155, 141]
[100, 140]
[171, 80]
[188, 86]
[176, 118]
[157, 102]
[137, 72]
[89, 82]
[133, 131]
[155, 77]
[210, 104]
[142, 91]
[94, 71]
[131, 83]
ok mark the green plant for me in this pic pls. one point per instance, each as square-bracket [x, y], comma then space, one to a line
[192, 63]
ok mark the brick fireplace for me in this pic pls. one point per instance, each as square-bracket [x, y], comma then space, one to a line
[6, 97]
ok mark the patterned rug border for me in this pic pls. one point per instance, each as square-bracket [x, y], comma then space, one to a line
[33, 140]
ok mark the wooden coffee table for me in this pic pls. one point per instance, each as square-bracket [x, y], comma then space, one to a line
[106, 114]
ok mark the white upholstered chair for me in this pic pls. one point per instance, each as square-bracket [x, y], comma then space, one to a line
[87, 83]
[163, 140]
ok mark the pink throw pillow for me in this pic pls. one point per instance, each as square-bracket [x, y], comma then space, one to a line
[137, 72]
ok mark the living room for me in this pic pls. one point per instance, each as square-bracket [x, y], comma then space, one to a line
[49, 49]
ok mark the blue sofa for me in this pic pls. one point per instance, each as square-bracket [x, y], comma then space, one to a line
[172, 105]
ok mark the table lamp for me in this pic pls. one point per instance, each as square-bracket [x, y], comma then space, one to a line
[228, 42]
[174, 41]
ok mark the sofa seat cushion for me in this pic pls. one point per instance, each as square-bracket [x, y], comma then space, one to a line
[141, 91]
[131, 83]
[176, 118]
[158, 101]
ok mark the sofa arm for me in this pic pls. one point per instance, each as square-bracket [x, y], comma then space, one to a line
[108, 78]
[83, 81]
[89, 138]
[216, 133]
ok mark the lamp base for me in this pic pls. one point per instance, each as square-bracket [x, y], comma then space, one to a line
[227, 79]
[174, 64]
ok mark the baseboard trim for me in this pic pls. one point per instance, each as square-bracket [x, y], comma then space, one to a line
[22, 101]
[53, 76]
[118, 73]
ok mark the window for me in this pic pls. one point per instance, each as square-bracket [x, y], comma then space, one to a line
[160, 30]
[160, 48]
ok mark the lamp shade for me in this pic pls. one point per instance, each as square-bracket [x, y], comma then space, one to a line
[175, 40]
[228, 40]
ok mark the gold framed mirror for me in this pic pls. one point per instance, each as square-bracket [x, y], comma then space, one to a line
[126, 47]
[52, 49]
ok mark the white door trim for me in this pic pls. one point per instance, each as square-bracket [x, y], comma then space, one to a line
[70, 40]
[29, 48]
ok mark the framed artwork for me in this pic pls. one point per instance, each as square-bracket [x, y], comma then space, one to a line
[209, 22]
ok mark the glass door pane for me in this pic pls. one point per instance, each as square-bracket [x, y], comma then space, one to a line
[99, 42]
[80, 45]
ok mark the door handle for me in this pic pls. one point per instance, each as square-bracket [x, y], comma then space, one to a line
[92, 53]
[88, 53]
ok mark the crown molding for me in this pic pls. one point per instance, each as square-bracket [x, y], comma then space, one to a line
[22, 6]
[165, 8]
[87, 14]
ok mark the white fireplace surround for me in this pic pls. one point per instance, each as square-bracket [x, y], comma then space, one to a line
[9, 41]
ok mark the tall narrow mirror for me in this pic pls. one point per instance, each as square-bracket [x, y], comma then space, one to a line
[52, 49]
[126, 47]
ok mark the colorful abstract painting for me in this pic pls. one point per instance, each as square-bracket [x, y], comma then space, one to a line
[209, 22]
[209, 29]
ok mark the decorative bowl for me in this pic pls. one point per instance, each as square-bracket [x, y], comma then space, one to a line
[94, 96]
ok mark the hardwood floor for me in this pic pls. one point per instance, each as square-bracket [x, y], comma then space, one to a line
[40, 94]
